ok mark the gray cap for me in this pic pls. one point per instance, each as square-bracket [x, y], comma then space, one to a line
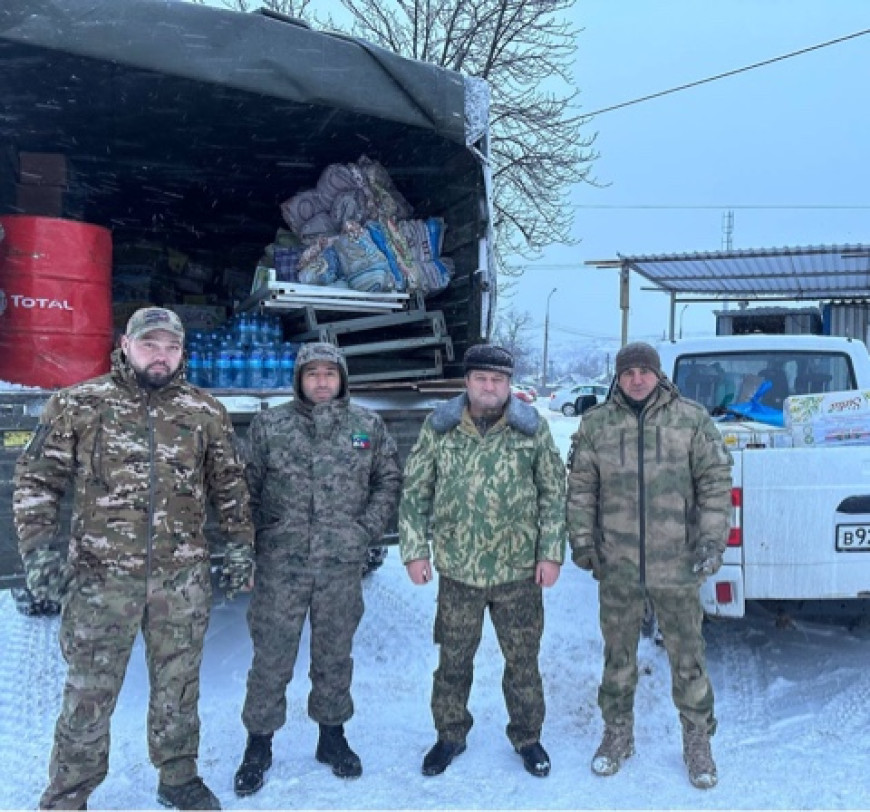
[148, 319]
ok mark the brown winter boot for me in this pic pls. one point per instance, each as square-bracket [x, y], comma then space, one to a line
[616, 746]
[699, 757]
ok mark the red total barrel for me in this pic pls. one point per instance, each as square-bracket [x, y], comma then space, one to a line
[55, 301]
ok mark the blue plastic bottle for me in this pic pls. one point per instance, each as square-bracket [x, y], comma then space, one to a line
[271, 368]
[239, 366]
[287, 363]
[255, 368]
[224, 366]
[194, 367]
[208, 363]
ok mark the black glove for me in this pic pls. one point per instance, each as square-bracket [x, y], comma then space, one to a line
[587, 559]
[238, 569]
[47, 576]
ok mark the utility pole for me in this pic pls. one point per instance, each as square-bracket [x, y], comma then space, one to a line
[546, 340]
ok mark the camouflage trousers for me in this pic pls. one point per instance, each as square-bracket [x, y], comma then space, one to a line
[100, 621]
[679, 615]
[332, 599]
[517, 614]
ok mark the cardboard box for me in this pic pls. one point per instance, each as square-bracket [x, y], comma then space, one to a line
[121, 312]
[200, 317]
[832, 418]
[45, 201]
[42, 169]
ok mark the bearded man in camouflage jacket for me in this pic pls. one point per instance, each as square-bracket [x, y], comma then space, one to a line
[486, 480]
[324, 479]
[649, 501]
[144, 450]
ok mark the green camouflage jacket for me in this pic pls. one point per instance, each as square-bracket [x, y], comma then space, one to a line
[324, 479]
[494, 505]
[142, 463]
[651, 492]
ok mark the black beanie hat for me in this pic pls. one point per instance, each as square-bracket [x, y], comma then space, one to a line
[638, 354]
[489, 358]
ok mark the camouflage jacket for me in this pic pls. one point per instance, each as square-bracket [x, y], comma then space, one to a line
[651, 492]
[324, 481]
[495, 505]
[142, 463]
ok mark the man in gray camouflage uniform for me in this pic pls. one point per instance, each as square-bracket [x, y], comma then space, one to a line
[486, 480]
[324, 479]
[144, 450]
[648, 514]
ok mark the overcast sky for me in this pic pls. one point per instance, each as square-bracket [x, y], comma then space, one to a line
[782, 146]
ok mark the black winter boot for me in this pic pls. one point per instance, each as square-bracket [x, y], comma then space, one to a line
[255, 762]
[333, 749]
[441, 755]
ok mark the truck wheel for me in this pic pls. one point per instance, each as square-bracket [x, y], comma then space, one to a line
[374, 559]
[569, 410]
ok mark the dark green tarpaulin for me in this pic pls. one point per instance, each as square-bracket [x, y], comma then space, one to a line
[197, 122]
[251, 52]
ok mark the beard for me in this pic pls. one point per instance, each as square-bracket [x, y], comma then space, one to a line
[153, 377]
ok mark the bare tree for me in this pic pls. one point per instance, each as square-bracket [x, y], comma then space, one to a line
[587, 360]
[523, 48]
[512, 331]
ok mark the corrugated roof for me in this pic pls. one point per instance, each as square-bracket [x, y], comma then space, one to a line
[814, 272]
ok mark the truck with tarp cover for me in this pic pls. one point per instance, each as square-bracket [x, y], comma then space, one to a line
[182, 129]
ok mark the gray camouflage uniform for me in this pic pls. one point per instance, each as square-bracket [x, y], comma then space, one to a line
[495, 507]
[142, 463]
[649, 498]
[324, 482]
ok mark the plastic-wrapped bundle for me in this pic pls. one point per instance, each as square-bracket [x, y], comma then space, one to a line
[363, 265]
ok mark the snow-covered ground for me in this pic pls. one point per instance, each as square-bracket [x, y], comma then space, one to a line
[793, 707]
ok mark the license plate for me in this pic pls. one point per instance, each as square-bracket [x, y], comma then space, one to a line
[16, 439]
[853, 538]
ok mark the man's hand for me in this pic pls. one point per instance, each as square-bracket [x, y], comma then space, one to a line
[587, 559]
[47, 577]
[708, 565]
[238, 570]
[419, 571]
[547, 573]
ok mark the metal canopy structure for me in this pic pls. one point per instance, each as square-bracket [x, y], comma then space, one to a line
[769, 274]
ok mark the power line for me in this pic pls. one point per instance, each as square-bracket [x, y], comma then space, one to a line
[730, 73]
[747, 206]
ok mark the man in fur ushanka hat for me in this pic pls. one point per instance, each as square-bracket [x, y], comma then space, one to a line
[486, 482]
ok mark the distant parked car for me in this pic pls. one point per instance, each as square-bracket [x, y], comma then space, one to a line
[577, 399]
[530, 391]
[522, 393]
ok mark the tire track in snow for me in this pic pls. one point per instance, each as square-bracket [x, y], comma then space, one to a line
[32, 674]
[740, 677]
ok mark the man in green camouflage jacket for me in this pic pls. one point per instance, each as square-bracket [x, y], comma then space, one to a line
[144, 450]
[648, 513]
[486, 481]
[324, 479]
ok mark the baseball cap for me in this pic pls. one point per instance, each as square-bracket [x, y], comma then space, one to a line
[147, 319]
